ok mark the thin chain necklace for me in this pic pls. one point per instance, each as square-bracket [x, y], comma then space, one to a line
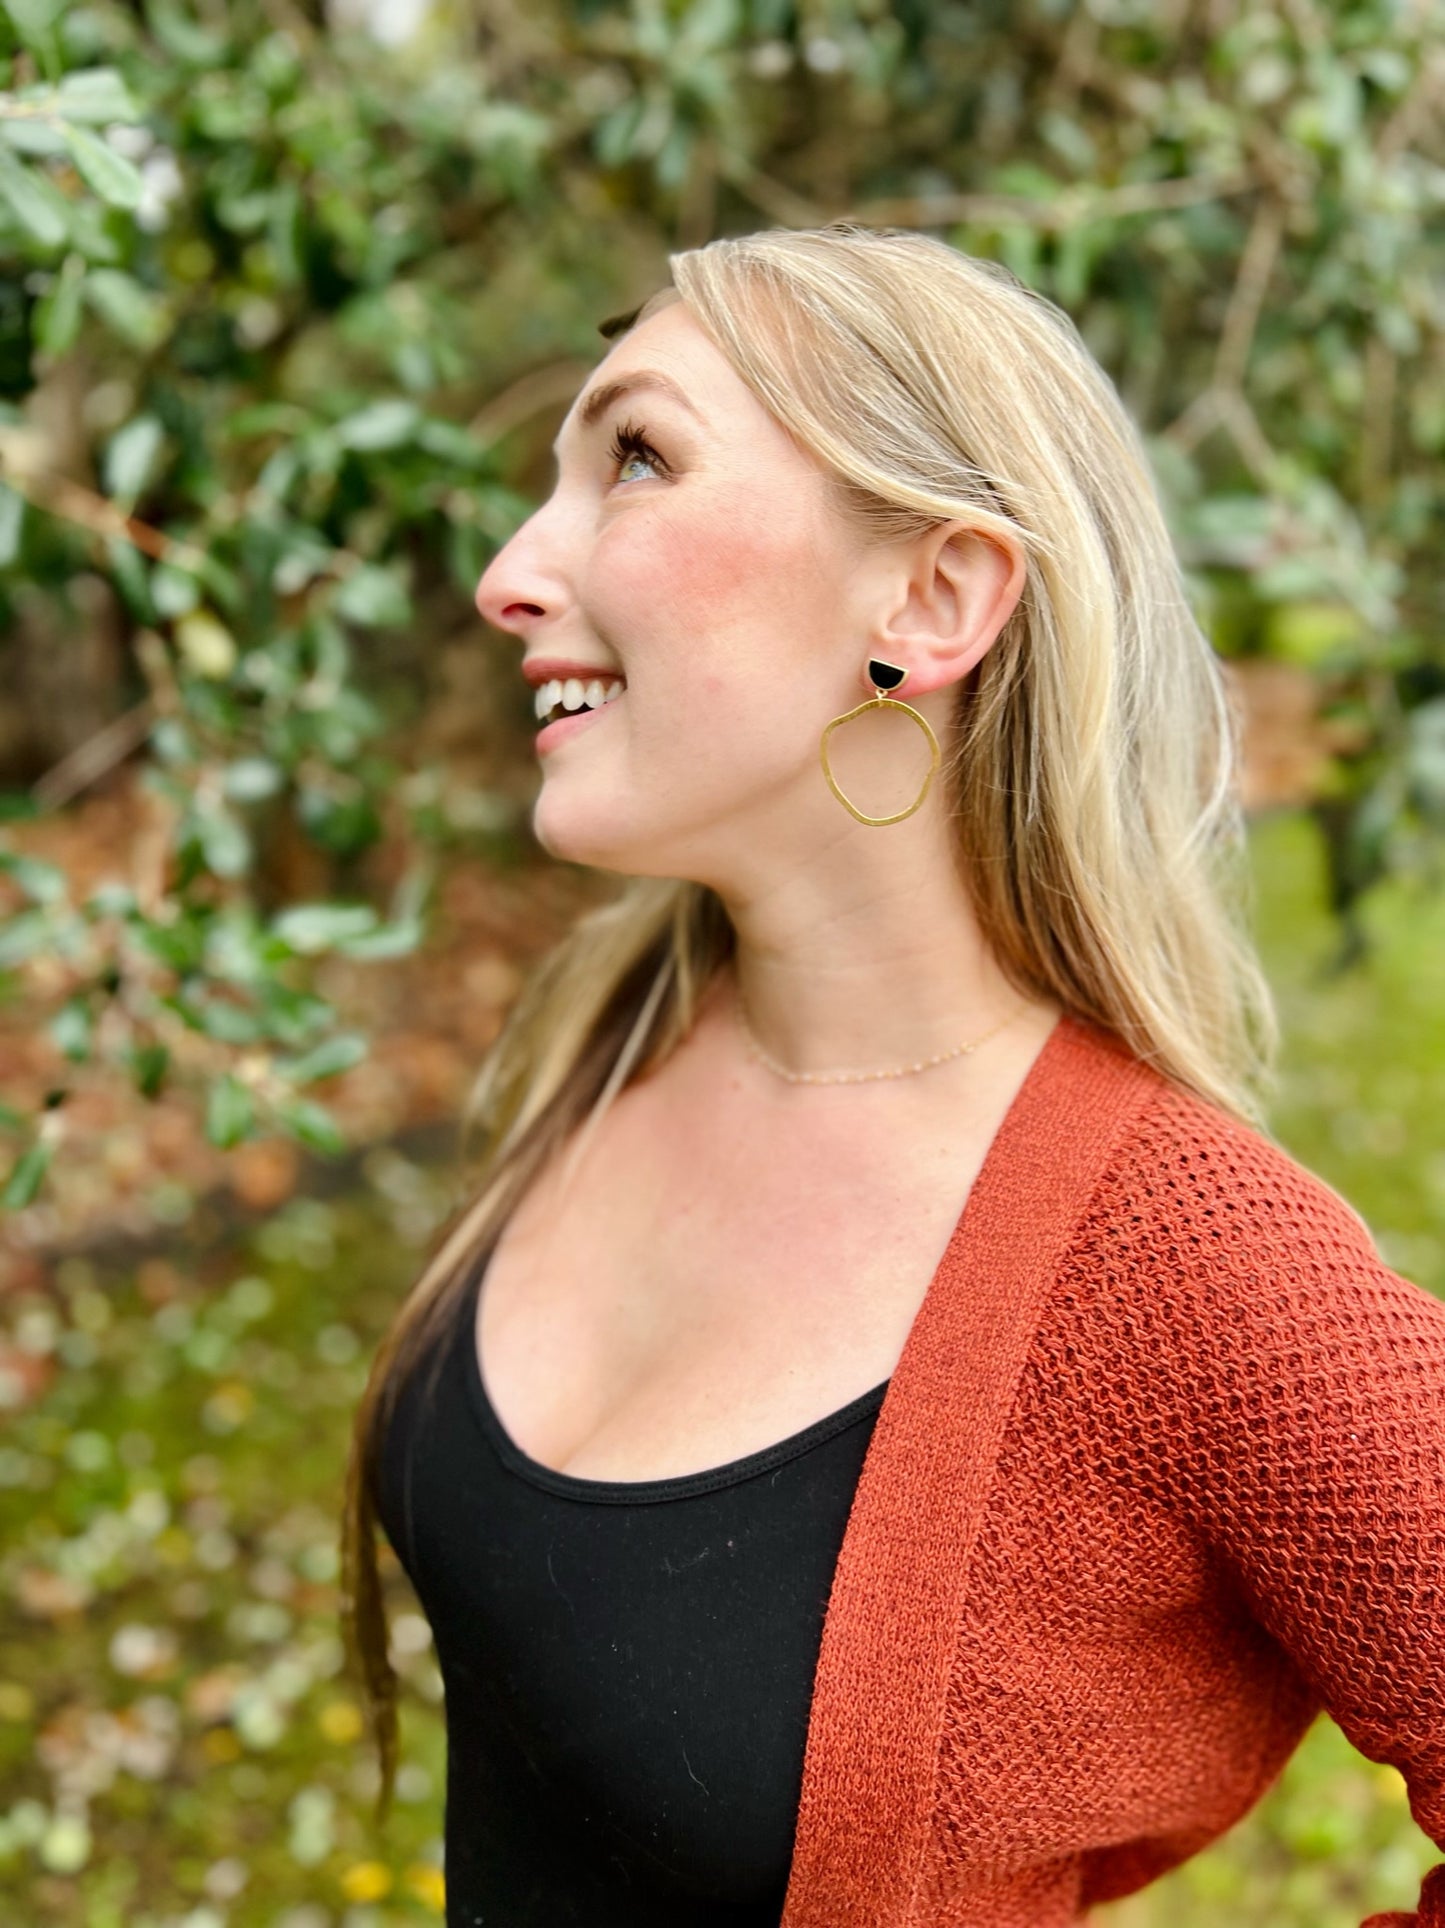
[859, 1077]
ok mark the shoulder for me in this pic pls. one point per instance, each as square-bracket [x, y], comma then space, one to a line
[1212, 1243]
[1179, 1166]
[1186, 1165]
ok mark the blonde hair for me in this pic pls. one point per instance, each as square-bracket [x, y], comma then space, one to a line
[1090, 781]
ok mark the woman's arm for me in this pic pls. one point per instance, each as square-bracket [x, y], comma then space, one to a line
[1311, 1456]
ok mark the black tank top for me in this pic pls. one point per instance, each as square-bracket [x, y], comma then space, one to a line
[628, 1666]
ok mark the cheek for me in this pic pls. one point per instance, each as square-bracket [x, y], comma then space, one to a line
[730, 583]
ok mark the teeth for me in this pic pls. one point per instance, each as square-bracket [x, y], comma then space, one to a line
[572, 693]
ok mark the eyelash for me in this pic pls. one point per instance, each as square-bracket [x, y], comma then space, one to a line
[629, 440]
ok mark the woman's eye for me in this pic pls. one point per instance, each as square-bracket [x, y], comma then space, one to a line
[629, 444]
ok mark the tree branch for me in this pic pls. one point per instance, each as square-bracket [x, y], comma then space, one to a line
[779, 202]
[1222, 403]
[539, 388]
[1073, 207]
[72, 502]
[1241, 317]
[1419, 100]
[90, 760]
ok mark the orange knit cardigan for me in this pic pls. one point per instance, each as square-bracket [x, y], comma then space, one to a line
[1160, 1474]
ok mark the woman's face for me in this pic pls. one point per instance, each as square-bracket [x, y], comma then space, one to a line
[703, 564]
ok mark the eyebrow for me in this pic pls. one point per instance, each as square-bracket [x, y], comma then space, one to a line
[601, 398]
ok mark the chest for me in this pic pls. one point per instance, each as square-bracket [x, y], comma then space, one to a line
[712, 1279]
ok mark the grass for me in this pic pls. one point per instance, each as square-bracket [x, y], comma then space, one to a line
[178, 1747]
[170, 1665]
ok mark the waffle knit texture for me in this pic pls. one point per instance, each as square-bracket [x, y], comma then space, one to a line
[1159, 1476]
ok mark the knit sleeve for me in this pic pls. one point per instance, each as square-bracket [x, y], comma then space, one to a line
[1308, 1443]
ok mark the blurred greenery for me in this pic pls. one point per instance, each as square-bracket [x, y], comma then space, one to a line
[177, 1739]
[292, 298]
[179, 1745]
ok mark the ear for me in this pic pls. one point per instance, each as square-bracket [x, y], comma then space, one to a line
[951, 591]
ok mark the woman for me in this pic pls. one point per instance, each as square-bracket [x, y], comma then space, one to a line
[899, 1442]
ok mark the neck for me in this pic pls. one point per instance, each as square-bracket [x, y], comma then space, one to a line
[868, 979]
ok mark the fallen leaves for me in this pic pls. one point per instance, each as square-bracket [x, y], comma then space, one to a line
[47, 1595]
[24, 1376]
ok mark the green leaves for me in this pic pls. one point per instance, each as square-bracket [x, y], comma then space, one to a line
[310, 929]
[130, 457]
[58, 312]
[334, 1054]
[34, 202]
[12, 524]
[219, 975]
[115, 179]
[24, 936]
[387, 424]
[46, 121]
[1424, 762]
[136, 314]
[41, 882]
[91, 96]
[206, 644]
[242, 605]
[313, 1125]
[231, 1116]
[148, 1064]
[220, 837]
[230, 1112]
[373, 597]
[25, 1176]
[72, 1029]
[250, 779]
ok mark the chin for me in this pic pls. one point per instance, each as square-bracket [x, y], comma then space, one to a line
[664, 830]
[581, 836]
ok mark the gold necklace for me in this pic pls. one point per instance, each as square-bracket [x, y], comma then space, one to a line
[859, 1077]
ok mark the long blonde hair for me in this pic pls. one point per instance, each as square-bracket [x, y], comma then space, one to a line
[1090, 781]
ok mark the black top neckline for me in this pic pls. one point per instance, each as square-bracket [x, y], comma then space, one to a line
[645, 1491]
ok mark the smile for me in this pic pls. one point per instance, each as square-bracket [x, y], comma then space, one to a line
[566, 722]
[567, 698]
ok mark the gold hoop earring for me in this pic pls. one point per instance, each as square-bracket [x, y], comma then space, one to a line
[883, 676]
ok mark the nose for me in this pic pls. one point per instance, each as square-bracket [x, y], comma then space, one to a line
[509, 595]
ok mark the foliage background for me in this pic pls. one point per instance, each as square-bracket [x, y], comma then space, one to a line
[292, 315]
[292, 303]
